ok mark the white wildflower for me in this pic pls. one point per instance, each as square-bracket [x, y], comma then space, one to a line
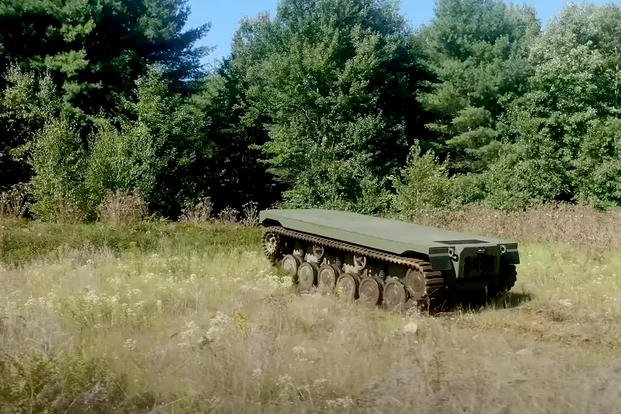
[565, 302]
[284, 381]
[524, 352]
[346, 402]
[130, 344]
[299, 350]
[410, 329]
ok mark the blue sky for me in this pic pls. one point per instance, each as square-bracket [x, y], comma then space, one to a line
[224, 16]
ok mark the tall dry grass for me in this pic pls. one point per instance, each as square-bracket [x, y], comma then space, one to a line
[561, 223]
[193, 323]
[121, 208]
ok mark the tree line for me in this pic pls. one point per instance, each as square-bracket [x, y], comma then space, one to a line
[328, 103]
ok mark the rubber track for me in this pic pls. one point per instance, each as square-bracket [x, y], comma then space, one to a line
[434, 279]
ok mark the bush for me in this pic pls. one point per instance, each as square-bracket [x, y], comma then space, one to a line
[62, 382]
[525, 177]
[467, 189]
[200, 212]
[228, 215]
[121, 161]
[59, 160]
[13, 203]
[599, 165]
[424, 184]
[122, 208]
[250, 211]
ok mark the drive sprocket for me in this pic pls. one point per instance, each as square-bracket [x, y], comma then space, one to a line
[273, 247]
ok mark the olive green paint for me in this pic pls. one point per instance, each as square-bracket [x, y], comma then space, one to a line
[393, 236]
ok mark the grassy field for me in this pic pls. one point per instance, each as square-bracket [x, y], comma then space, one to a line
[165, 317]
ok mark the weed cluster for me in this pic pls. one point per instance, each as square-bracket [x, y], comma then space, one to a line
[199, 212]
[13, 203]
[122, 208]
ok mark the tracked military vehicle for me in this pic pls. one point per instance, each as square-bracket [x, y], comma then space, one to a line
[386, 262]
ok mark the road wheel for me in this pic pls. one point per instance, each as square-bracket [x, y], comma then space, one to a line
[370, 290]
[347, 286]
[395, 295]
[307, 277]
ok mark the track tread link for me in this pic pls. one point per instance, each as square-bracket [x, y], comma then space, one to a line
[434, 280]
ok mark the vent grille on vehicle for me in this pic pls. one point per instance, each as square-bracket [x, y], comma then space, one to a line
[479, 266]
[461, 241]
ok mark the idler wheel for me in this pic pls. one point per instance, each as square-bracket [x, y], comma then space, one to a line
[395, 295]
[347, 286]
[328, 274]
[290, 264]
[370, 290]
[426, 288]
[307, 276]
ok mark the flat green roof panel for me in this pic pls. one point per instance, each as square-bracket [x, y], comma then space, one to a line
[379, 233]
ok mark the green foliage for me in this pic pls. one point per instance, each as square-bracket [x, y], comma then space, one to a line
[599, 165]
[317, 106]
[96, 49]
[565, 126]
[467, 189]
[39, 382]
[146, 152]
[23, 242]
[130, 157]
[477, 53]
[175, 129]
[120, 160]
[234, 174]
[26, 104]
[58, 161]
[424, 184]
[334, 79]
[82, 58]
[525, 177]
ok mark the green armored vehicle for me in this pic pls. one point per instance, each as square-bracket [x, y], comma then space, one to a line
[386, 262]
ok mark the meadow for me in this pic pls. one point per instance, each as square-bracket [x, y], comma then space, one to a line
[180, 317]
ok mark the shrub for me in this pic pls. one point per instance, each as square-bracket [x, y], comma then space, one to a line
[467, 189]
[200, 212]
[251, 214]
[599, 165]
[526, 177]
[61, 382]
[122, 208]
[58, 160]
[229, 215]
[13, 203]
[121, 160]
[424, 184]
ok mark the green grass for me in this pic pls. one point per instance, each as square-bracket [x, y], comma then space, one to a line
[22, 241]
[167, 317]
